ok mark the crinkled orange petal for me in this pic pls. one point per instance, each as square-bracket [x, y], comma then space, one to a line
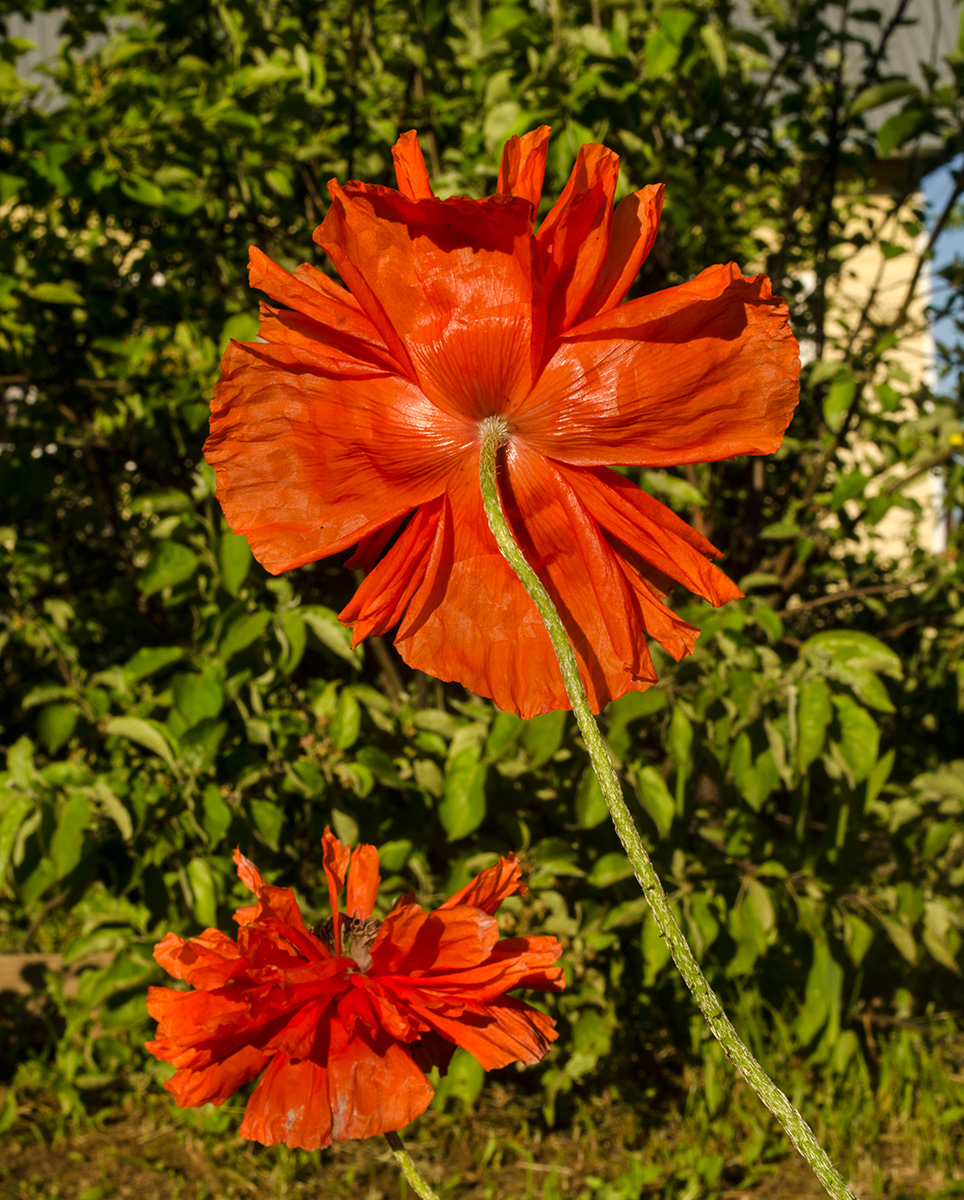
[699, 372]
[326, 312]
[450, 286]
[582, 575]
[539, 954]
[411, 941]
[248, 873]
[216, 1083]
[363, 880]
[374, 1088]
[468, 587]
[291, 1104]
[384, 595]
[490, 887]
[652, 530]
[410, 170]
[574, 237]
[335, 857]
[635, 224]
[500, 1032]
[309, 460]
[523, 166]
[207, 961]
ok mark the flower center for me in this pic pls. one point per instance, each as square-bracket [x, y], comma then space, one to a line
[496, 429]
[357, 937]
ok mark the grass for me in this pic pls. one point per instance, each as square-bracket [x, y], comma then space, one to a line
[894, 1123]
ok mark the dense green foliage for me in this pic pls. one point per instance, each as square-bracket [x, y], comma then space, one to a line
[164, 700]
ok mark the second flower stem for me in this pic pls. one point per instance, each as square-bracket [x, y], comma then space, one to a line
[493, 433]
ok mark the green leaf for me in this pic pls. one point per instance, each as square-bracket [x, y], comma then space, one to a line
[136, 729]
[215, 814]
[899, 128]
[814, 714]
[10, 185]
[840, 396]
[196, 696]
[883, 93]
[713, 41]
[346, 722]
[860, 737]
[57, 293]
[14, 807]
[590, 805]
[149, 661]
[267, 818]
[855, 648]
[330, 632]
[858, 936]
[112, 807]
[241, 327]
[67, 843]
[542, 736]
[899, 933]
[242, 631]
[201, 879]
[660, 54]
[234, 561]
[143, 191]
[462, 807]
[676, 23]
[609, 869]
[655, 798]
[170, 563]
[55, 724]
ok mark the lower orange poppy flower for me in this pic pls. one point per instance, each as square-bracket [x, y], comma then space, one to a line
[345, 1020]
[355, 420]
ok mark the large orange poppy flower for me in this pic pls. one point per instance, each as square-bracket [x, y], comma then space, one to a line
[356, 420]
[348, 1018]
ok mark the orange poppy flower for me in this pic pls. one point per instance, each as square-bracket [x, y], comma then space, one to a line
[348, 1018]
[355, 422]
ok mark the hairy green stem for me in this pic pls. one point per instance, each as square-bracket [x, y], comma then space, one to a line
[409, 1170]
[493, 433]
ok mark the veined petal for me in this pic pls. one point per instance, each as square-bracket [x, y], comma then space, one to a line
[311, 459]
[652, 530]
[386, 591]
[498, 1033]
[579, 570]
[322, 311]
[215, 1083]
[374, 1086]
[490, 887]
[208, 961]
[335, 858]
[696, 373]
[574, 238]
[635, 224]
[291, 1104]
[412, 941]
[523, 166]
[539, 954]
[468, 587]
[410, 171]
[363, 881]
[451, 285]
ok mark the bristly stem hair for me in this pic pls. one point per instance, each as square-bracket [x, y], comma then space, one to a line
[409, 1170]
[491, 438]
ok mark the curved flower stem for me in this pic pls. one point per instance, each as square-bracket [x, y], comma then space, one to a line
[409, 1169]
[493, 432]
